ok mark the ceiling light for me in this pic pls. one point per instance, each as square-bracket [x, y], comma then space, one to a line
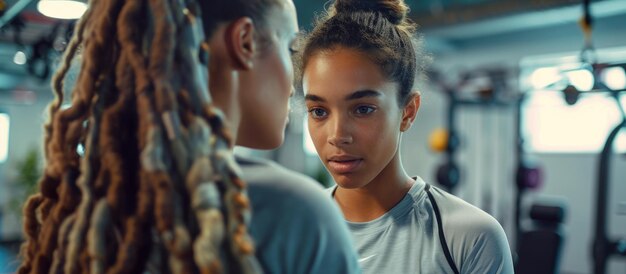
[544, 77]
[62, 9]
[19, 58]
[582, 79]
[614, 78]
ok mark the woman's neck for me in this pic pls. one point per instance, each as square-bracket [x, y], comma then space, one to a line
[224, 90]
[377, 197]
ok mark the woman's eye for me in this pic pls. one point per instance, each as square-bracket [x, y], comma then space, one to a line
[295, 45]
[292, 50]
[364, 110]
[317, 113]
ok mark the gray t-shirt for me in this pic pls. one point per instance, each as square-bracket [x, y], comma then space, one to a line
[295, 226]
[406, 238]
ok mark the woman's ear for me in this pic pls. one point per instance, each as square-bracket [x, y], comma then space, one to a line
[241, 42]
[410, 111]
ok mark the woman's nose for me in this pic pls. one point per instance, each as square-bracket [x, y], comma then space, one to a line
[339, 134]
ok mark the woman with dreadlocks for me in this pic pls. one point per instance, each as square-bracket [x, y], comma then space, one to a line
[359, 66]
[140, 176]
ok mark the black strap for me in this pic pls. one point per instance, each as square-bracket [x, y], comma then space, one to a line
[442, 237]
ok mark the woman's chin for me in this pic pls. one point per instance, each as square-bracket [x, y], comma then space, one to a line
[347, 182]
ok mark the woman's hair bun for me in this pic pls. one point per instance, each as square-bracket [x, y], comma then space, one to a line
[394, 10]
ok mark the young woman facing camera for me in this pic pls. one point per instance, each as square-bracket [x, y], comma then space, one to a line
[359, 66]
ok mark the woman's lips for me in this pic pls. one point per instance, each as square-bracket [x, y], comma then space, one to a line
[344, 166]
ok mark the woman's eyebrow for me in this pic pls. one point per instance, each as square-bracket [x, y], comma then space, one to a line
[314, 98]
[363, 93]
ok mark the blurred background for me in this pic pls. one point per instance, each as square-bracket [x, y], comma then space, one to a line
[520, 116]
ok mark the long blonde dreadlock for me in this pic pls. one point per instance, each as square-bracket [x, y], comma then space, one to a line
[157, 188]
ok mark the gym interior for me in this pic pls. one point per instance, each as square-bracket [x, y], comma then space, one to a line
[522, 115]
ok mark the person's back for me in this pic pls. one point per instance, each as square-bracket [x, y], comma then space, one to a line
[295, 226]
[140, 174]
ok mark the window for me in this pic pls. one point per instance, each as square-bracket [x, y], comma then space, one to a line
[550, 125]
[4, 137]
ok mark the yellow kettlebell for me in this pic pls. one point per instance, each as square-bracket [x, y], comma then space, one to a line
[438, 140]
[3, 7]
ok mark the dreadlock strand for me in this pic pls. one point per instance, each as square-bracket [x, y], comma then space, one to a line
[82, 98]
[130, 41]
[56, 158]
[205, 201]
[120, 187]
[57, 223]
[75, 130]
[152, 161]
[161, 62]
[85, 184]
[58, 78]
[238, 215]
[117, 142]
[59, 253]
[206, 204]
[178, 239]
[41, 259]
[136, 241]
[217, 120]
[166, 205]
[161, 55]
[31, 230]
[48, 186]
[78, 230]
[96, 243]
[132, 246]
[90, 80]
[100, 32]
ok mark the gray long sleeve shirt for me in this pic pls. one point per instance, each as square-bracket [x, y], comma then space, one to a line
[297, 229]
[406, 238]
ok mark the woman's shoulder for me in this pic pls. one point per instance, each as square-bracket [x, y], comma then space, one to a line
[476, 240]
[461, 217]
[265, 173]
[270, 184]
[289, 212]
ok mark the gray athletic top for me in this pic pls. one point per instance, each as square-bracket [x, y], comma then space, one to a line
[409, 239]
[295, 226]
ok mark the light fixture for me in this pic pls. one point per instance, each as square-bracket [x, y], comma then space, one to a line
[581, 79]
[543, 77]
[19, 58]
[614, 78]
[62, 9]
